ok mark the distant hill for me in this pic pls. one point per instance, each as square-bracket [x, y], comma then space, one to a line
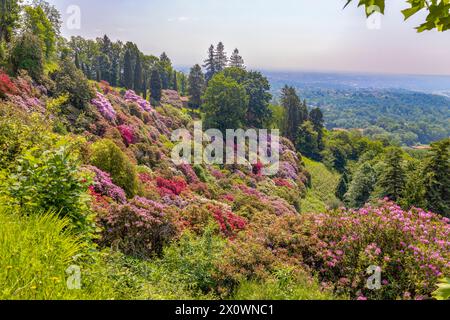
[407, 109]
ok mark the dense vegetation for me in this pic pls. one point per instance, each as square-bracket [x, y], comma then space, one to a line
[86, 178]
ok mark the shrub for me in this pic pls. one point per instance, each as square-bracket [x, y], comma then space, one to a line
[171, 187]
[109, 158]
[6, 85]
[138, 228]
[50, 180]
[104, 106]
[127, 134]
[131, 96]
[27, 54]
[103, 185]
[410, 247]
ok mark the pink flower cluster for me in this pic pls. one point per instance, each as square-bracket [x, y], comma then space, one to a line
[131, 96]
[104, 186]
[189, 173]
[229, 223]
[104, 106]
[412, 248]
[127, 134]
[171, 187]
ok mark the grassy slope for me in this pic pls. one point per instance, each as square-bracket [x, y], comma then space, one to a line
[324, 183]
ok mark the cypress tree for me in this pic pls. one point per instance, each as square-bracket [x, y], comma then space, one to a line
[175, 81]
[342, 187]
[155, 85]
[292, 119]
[127, 70]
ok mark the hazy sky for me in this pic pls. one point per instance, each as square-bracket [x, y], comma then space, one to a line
[271, 34]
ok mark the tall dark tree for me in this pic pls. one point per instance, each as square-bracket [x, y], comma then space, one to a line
[391, 182]
[144, 87]
[127, 70]
[236, 60]
[316, 118]
[196, 86]
[220, 58]
[437, 178]
[138, 75]
[175, 81]
[77, 60]
[210, 65]
[342, 187]
[165, 71]
[292, 113]
[155, 85]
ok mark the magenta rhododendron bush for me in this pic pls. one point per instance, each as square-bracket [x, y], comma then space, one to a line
[104, 106]
[411, 248]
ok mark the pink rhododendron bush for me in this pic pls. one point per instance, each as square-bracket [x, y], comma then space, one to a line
[411, 249]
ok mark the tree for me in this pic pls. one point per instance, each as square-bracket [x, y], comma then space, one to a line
[144, 87]
[220, 58]
[437, 178]
[70, 80]
[342, 187]
[391, 182]
[138, 75]
[361, 186]
[27, 54]
[175, 81]
[316, 118]
[165, 71]
[9, 18]
[155, 85]
[196, 86]
[225, 103]
[437, 18]
[292, 115]
[307, 140]
[37, 23]
[236, 60]
[210, 65]
[127, 71]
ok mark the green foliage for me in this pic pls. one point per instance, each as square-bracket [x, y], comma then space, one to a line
[437, 178]
[107, 156]
[438, 12]
[196, 86]
[225, 103]
[69, 80]
[391, 183]
[443, 291]
[155, 85]
[285, 284]
[295, 112]
[37, 23]
[320, 195]
[9, 18]
[27, 54]
[361, 186]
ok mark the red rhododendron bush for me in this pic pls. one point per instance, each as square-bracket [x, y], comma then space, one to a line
[411, 249]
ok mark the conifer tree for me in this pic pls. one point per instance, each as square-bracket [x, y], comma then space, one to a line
[175, 81]
[391, 182]
[316, 117]
[196, 86]
[220, 58]
[292, 115]
[437, 178]
[155, 85]
[236, 60]
[127, 71]
[342, 187]
[210, 65]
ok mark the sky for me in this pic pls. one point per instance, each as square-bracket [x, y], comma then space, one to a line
[285, 35]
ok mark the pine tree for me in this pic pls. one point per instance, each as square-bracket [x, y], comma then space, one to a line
[316, 117]
[437, 178]
[361, 186]
[155, 85]
[144, 87]
[127, 70]
[196, 86]
[342, 187]
[236, 60]
[220, 59]
[210, 65]
[391, 182]
[138, 75]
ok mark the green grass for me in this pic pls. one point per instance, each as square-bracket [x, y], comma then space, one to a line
[321, 193]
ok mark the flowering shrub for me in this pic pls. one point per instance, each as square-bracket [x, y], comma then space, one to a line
[6, 85]
[103, 185]
[104, 106]
[139, 228]
[189, 173]
[131, 96]
[127, 134]
[229, 223]
[105, 87]
[171, 187]
[283, 183]
[412, 248]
